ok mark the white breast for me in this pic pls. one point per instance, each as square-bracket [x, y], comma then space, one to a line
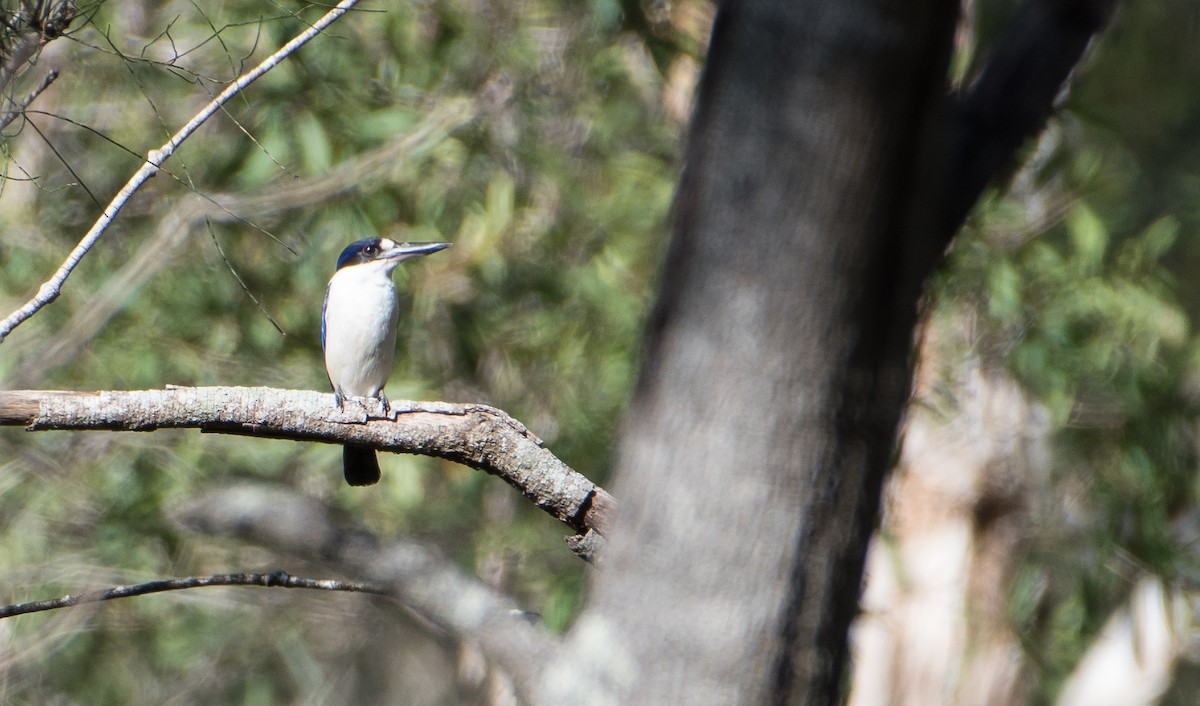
[360, 330]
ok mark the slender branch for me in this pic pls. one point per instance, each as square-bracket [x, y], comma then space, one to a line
[479, 436]
[275, 579]
[19, 108]
[50, 290]
[1012, 98]
[27, 31]
[419, 576]
[974, 140]
[181, 218]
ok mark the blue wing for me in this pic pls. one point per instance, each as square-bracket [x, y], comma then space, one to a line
[324, 306]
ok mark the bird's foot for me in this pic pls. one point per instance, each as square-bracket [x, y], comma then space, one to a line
[365, 409]
[385, 405]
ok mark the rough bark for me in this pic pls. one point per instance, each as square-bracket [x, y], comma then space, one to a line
[475, 435]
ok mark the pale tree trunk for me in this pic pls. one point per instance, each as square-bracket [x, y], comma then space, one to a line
[934, 631]
[1134, 659]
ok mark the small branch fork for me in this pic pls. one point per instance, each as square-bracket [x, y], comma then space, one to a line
[479, 436]
[18, 109]
[275, 579]
[50, 290]
[25, 31]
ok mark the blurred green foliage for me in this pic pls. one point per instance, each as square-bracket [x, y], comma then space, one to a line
[1080, 275]
[554, 193]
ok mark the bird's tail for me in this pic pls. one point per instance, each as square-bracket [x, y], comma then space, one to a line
[360, 465]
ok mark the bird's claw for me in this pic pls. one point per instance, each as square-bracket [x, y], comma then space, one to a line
[384, 410]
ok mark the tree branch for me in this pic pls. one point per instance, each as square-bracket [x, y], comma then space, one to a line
[479, 436]
[181, 218]
[26, 31]
[50, 290]
[275, 579]
[417, 575]
[1012, 98]
[18, 108]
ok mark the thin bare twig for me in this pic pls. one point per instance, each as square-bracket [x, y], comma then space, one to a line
[275, 579]
[418, 575]
[238, 277]
[50, 290]
[29, 29]
[19, 108]
[187, 214]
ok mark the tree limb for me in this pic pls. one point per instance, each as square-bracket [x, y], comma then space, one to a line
[193, 210]
[1012, 98]
[479, 436]
[275, 579]
[50, 290]
[417, 575]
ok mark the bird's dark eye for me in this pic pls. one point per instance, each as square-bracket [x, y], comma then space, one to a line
[371, 249]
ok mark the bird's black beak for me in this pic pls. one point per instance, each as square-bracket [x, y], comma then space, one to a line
[408, 251]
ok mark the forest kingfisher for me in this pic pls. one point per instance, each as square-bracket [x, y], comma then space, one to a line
[358, 332]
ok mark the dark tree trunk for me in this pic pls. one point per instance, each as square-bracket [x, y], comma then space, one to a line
[827, 170]
[777, 361]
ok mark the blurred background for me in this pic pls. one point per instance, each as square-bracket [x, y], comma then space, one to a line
[1046, 488]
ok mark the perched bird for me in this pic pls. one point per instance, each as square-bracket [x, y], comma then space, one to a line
[358, 331]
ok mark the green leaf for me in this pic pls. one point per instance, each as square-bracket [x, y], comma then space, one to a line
[1004, 291]
[1089, 238]
[315, 148]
